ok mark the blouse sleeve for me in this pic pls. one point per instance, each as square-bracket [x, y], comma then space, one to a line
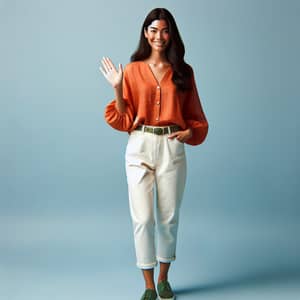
[121, 120]
[194, 116]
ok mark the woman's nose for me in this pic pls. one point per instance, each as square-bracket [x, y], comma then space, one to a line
[158, 35]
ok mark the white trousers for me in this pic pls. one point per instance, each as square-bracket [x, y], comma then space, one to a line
[155, 161]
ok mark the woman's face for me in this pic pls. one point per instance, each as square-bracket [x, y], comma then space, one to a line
[158, 35]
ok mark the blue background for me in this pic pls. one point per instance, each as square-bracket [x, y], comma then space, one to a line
[65, 229]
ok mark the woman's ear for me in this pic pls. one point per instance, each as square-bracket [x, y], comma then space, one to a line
[145, 32]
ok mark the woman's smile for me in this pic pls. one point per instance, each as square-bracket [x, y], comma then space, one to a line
[158, 35]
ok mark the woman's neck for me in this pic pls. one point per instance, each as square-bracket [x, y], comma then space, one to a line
[157, 59]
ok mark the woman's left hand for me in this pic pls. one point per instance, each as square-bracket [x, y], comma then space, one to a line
[182, 135]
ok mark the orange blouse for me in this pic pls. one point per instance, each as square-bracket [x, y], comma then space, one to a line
[149, 102]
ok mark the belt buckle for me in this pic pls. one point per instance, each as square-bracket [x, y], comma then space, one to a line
[158, 131]
[148, 129]
[174, 128]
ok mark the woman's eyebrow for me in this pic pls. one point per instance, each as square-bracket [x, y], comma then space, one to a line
[153, 27]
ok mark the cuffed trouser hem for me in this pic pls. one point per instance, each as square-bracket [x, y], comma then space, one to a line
[166, 260]
[147, 266]
[154, 264]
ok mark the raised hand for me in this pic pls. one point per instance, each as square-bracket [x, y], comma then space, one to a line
[113, 76]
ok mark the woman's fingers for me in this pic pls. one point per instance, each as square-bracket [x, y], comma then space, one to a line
[173, 135]
[181, 135]
[106, 65]
[110, 64]
[120, 68]
[103, 72]
[113, 76]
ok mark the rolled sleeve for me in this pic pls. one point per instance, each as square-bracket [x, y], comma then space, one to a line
[194, 116]
[120, 121]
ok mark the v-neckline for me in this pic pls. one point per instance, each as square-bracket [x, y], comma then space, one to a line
[154, 77]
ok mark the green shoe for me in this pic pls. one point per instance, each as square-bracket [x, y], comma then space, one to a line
[149, 295]
[164, 291]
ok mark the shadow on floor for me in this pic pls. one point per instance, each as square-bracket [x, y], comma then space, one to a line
[256, 280]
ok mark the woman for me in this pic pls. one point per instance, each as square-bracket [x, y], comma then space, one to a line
[157, 103]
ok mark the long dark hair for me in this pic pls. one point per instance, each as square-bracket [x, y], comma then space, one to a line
[174, 52]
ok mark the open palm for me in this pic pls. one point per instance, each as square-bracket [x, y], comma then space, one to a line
[113, 76]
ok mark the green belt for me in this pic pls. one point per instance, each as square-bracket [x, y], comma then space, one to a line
[159, 130]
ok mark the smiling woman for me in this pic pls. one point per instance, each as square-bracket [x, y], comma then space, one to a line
[158, 38]
[161, 43]
[157, 35]
[157, 103]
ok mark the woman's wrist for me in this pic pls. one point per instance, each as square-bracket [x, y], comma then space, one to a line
[119, 99]
[118, 87]
[189, 132]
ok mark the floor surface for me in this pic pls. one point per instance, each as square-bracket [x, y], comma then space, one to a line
[91, 256]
